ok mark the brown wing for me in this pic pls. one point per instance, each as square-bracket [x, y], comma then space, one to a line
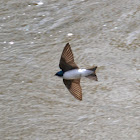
[74, 87]
[67, 59]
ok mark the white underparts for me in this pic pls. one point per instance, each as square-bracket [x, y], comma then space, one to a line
[76, 74]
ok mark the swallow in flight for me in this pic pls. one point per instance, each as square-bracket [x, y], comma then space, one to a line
[71, 74]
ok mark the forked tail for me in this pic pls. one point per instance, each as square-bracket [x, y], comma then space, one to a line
[93, 76]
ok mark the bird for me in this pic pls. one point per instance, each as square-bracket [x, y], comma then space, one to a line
[72, 74]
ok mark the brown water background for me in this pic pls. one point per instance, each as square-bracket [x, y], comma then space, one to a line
[34, 104]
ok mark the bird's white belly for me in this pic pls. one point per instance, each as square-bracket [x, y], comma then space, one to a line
[76, 73]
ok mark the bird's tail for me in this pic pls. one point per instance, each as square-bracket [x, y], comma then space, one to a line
[93, 76]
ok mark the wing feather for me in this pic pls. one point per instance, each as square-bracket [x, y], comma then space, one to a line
[74, 88]
[67, 59]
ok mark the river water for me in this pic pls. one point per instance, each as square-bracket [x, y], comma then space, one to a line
[34, 104]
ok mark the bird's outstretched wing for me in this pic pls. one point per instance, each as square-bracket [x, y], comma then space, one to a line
[74, 87]
[67, 59]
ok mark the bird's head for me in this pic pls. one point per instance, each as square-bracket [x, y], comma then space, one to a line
[60, 73]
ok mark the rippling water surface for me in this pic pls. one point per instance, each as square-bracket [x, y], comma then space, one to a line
[34, 104]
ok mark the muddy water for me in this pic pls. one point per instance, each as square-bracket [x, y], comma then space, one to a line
[34, 104]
